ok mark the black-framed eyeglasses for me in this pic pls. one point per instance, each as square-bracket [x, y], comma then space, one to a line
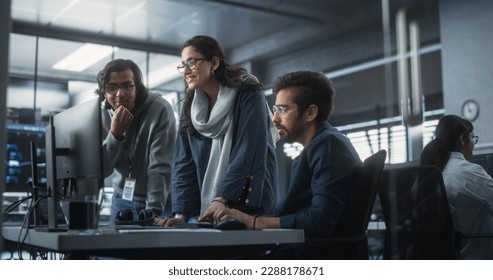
[190, 64]
[125, 88]
[475, 139]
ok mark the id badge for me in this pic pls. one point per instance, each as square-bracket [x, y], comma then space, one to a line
[128, 189]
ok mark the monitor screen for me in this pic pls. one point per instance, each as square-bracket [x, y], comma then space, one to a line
[485, 160]
[18, 161]
[74, 155]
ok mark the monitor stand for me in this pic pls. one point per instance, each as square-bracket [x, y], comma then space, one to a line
[36, 219]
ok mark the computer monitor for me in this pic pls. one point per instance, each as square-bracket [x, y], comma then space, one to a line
[18, 171]
[485, 160]
[73, 156]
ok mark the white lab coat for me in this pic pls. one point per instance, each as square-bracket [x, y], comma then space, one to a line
[470, 194]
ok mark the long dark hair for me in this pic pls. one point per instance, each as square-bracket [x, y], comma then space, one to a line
[227, 75]
[447, 139]
[119, 65]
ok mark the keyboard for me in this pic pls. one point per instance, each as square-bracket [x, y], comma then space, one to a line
[156, 228]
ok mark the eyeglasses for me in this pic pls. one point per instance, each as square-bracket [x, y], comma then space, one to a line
[125, 88]
[475, 139]
[190, 64]
[281, 109]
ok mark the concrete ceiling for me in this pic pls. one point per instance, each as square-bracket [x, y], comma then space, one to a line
[253, 30]
[268, 36]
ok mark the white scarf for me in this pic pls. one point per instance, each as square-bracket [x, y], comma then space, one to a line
[219, 127]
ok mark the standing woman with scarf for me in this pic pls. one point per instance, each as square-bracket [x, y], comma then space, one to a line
[224, 142]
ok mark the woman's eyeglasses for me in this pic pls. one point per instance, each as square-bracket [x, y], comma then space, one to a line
[190, 64]
[475, 139]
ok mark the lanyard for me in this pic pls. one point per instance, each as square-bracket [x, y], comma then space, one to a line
[129, 160]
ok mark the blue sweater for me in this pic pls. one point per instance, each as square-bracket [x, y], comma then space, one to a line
[252, 154]
[314, 201]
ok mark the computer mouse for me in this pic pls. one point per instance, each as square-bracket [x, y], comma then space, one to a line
[230, 224]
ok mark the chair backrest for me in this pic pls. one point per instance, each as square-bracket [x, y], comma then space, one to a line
[416, 213]
[360, 198]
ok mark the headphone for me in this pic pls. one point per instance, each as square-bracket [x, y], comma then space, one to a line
[125, 217]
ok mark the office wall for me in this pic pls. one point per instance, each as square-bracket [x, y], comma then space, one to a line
[362, 91]
[467, 61]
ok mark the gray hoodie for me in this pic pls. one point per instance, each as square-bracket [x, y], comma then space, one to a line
[147, 149]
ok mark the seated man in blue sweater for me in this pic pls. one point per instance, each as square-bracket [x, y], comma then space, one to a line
[319, 175]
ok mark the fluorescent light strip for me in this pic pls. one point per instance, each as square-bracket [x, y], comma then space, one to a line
[70, 5]
[130, 11]
[378, 62]
[84, 57]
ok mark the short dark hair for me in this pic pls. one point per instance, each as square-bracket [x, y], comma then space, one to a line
[311, 87]
[119, 65]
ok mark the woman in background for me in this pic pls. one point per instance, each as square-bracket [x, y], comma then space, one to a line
[469, 188]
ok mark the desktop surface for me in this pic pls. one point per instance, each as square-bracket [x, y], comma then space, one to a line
[153, 242]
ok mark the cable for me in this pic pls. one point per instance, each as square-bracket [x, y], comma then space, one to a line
[21, 240]
[15, 204]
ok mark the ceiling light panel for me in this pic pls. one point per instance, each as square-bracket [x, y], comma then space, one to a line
[84, 57]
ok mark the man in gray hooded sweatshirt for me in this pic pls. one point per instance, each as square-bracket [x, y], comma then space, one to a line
[139, 130]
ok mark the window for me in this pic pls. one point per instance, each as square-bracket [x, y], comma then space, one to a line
[388, 134]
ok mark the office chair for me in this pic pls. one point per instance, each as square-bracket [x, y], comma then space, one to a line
[416, 214]
[350, 240]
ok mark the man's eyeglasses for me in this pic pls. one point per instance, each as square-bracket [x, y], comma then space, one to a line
[190, 64]
[281, 109]
[125, 88]
[475, 139]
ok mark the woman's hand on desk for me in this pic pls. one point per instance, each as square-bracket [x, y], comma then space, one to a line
[229, 213]
[217, 204]
[168, 222]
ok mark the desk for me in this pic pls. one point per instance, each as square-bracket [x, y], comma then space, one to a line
[156, 243]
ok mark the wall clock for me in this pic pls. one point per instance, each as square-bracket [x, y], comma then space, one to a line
[470, 110]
